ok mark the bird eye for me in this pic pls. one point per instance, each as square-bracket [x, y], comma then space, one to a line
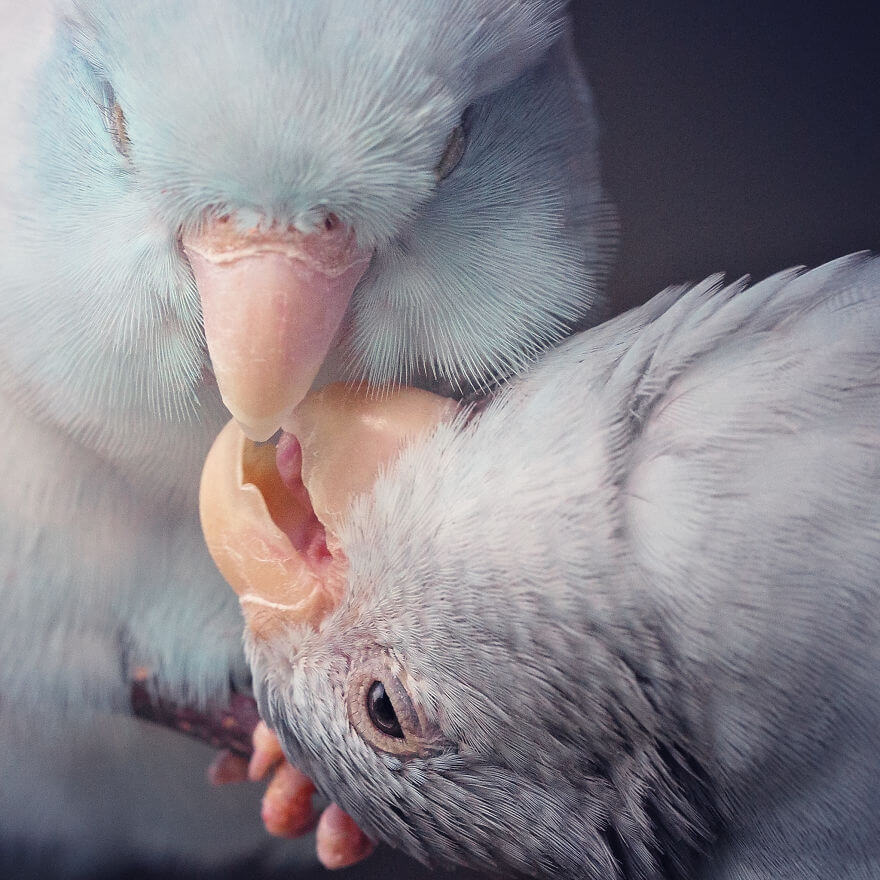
[384, 714]
[114, 120]
[456, 144]
[381, 711]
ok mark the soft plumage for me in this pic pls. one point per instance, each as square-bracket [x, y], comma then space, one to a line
[626, 616]
[126, 126]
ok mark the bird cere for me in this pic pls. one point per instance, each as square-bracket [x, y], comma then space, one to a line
[620, 623]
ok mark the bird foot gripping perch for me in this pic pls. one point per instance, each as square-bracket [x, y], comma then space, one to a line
[270, 516]
[227, 726]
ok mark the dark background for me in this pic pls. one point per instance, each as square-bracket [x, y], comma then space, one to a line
[737, 137]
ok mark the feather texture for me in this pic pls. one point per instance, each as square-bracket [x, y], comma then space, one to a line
[634, 601]
[275, 111]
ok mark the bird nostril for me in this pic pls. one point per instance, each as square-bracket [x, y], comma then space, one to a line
[331, 222]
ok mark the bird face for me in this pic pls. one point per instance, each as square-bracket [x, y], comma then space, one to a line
[409, 659]
[308, 177]
[333, 648]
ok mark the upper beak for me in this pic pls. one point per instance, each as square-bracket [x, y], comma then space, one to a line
[272, 302]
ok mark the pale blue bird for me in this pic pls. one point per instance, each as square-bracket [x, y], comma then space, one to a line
[625, 621]
[401, 191]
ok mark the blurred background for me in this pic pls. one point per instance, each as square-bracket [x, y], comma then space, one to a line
[740, 137]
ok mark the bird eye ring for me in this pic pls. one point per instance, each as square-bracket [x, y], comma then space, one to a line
[384, 715]
[456, 144]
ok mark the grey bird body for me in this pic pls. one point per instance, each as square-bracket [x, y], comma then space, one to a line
[627, 617]
[123, 125]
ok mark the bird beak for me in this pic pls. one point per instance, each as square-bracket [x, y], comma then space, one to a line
[272, 516]
[272, 301]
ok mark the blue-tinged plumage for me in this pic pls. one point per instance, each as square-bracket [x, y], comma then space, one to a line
[126, 125]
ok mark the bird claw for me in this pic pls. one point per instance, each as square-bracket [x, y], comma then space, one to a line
[339, 841]
[267, 752]
[287, 809]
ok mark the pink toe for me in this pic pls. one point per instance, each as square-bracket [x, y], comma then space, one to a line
[340, 842]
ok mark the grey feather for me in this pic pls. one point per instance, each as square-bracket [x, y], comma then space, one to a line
[633, 604]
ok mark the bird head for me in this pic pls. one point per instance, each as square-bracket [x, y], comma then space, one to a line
[409, 187]
[455, 666]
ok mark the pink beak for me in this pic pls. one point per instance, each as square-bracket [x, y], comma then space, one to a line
[273, 517]
[272, 302]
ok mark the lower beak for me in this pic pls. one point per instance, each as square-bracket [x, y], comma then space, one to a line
[272, 302]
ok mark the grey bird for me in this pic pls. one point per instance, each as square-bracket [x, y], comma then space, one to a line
[625, 621]
[401, 191]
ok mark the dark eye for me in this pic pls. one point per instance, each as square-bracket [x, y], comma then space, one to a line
[381, 711]
[114, 119]
[456, 144]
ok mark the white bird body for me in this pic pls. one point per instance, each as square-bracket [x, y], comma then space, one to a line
[122, 128]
